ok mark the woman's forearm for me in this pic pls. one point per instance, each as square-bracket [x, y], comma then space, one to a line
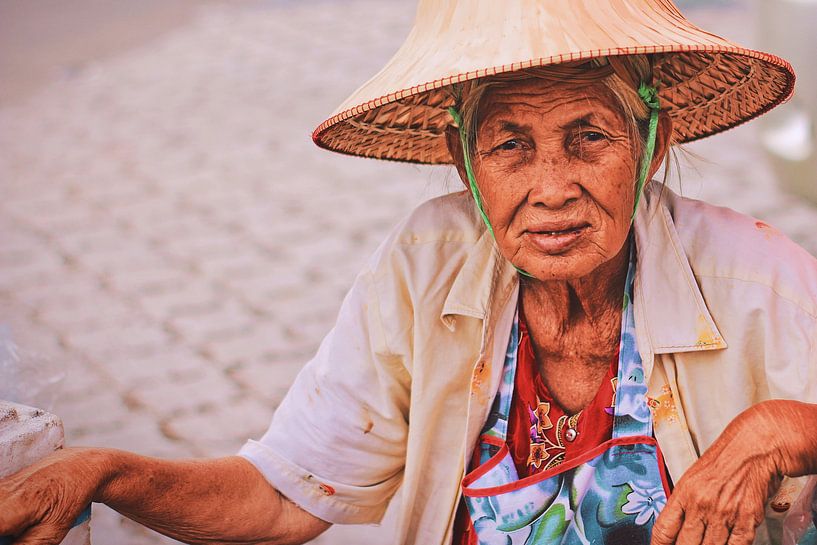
[787, 431]
[203, 501]
[797, 423]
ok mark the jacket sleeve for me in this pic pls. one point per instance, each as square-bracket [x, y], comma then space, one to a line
[794, 377]
[336, 444]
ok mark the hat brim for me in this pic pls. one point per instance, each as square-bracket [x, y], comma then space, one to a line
[706, 83]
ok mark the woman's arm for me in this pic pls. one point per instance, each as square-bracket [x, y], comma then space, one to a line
[195, 501]
[722, 497]
[797, 425]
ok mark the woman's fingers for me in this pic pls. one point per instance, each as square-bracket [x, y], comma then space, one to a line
[668, 524]
[742, 534]
[721, 498]
[15, 516]
[717, 533]
[41, 535]
[675, 527]
[691, 518]
[692, 532]
[39, 503]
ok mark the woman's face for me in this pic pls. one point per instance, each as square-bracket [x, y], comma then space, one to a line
[555, 165]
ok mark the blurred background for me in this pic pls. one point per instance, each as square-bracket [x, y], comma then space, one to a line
[172, 245]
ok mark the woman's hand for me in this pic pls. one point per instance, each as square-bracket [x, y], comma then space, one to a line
[40, 503]
[223, 500]
[722, 498]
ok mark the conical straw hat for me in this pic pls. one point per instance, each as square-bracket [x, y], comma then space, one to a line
[707, 83]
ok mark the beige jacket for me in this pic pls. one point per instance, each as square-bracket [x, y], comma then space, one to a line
[725, 313]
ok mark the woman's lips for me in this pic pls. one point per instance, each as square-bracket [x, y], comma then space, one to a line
[556, 241]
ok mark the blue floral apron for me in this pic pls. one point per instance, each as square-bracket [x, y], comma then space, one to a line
[609, 495]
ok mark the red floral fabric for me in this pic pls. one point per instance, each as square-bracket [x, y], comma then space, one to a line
[539, 435]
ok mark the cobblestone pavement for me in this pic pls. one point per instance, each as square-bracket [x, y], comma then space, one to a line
[176, 246]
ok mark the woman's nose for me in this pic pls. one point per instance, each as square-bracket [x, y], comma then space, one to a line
[553, 185]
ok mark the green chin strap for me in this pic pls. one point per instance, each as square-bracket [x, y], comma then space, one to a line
[469, 171]
[472, 184]
[650, 97]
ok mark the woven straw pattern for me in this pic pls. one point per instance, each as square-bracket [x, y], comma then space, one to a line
[704, 92]
[708, 84]
[707, 93]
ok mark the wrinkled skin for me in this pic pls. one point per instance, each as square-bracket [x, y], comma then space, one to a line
[220, 500]
[552, 161]
[555, 166]
[57, 498]
[722, 497]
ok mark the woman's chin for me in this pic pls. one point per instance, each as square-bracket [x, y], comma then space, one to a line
[559, 268]
[583, 262]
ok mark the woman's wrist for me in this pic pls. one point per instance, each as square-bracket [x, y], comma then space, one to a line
[790, 428]
[106, 468]
[800, 424]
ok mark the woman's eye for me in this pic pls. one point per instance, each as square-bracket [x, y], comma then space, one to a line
[510, 145]
[592, 136]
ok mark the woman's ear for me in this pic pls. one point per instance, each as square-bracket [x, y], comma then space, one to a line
[663, 140]
[452, 140]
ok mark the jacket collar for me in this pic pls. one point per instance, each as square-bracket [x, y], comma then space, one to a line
[676, 316]
[471, 291]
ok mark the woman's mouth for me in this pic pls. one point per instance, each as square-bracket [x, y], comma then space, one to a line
[556, 240]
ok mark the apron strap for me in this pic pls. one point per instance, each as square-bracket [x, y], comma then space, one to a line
[497, 423]
[632, 414]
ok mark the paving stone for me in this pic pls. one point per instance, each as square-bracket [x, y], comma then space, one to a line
[174, 363]
[220, 267]
[141, 282]
[79, 381]
[148, 216]
[220, 430]
[268, 378]
[80, 313]
[56, 285]
[230, 319]
[201, 244]
[264, 339]
[131, 339]
[190, 298]
[98, 411]
[131, 255]
[29, 268]
[48, 212]
[141, 435]
[189, 393]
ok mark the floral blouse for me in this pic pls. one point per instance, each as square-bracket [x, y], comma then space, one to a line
[541, 435]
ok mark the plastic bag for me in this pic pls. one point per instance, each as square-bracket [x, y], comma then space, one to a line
[800, 524]
[27, 377]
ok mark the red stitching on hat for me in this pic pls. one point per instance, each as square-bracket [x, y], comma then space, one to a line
[385, 99]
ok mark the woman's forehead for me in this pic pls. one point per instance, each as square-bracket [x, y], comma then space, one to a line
[540, 97]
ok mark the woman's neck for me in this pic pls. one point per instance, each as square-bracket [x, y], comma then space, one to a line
[589, 307]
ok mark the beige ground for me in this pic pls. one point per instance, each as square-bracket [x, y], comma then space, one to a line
[174, 244]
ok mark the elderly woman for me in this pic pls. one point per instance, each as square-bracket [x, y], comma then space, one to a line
[562, 353]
